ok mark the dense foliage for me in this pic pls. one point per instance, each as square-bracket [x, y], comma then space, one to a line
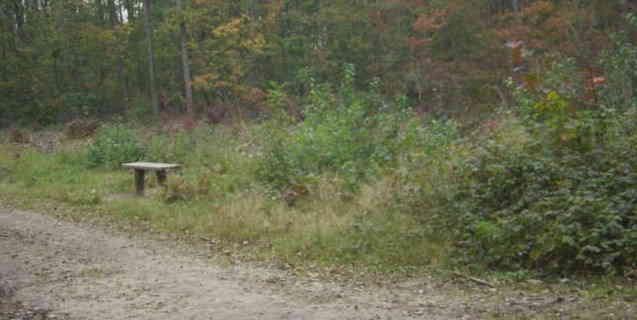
[68, 58]
[526, 207]
[113, 146]
[555, 190]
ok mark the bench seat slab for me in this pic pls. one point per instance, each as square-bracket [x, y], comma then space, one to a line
[151, 166]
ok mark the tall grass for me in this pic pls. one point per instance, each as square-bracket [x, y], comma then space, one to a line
[217, 196]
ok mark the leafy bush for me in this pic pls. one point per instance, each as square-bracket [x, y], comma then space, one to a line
[561, 199]
[346, 132]
[113, 146]
[523, 207]
[427, 173]
[552, 187]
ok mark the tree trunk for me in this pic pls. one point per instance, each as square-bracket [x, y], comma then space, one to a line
[185, 59]
[112, 13]
[148, 28]
[19, 18]
[515, 4]
[100, 12]
[130, 10]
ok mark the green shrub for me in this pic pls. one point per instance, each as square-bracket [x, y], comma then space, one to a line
[558, 199]
[555, 191]
[354, 134]
[113, 146]
[428, 173]
[525, 208]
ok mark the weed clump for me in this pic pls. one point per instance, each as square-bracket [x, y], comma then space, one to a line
[113, 146]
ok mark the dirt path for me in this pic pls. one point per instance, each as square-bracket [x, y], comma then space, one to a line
[54, 269]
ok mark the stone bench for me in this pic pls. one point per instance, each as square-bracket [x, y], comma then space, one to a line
[161, 169]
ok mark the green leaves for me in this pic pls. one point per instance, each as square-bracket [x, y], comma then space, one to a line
[556, 211]
[351, 133]
[113, 146]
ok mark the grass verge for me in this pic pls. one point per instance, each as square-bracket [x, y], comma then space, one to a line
[217, 200]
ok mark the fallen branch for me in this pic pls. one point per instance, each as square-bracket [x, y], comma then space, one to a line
[208, 240]
[474, 279]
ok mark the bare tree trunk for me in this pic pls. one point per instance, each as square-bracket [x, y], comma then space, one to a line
[148, 28]
[19, 18]
[185, 60]
[516, 5]
[100, 11]
[130, 10]
[112, 13]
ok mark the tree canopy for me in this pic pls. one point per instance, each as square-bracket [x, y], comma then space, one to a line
[67, 58]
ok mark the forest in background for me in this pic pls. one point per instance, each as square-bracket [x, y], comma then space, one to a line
[392, 136]
[65, 59]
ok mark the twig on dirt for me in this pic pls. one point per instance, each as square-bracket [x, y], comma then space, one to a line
[474, 279]
[208, 240]
[2, 235]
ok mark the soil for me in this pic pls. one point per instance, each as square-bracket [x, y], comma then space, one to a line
[53, 269]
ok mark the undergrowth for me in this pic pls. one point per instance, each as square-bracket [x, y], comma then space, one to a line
[218, 196]
[548, 185]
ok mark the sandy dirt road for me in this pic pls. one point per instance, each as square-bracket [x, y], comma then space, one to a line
[51, 269]
[83, 272]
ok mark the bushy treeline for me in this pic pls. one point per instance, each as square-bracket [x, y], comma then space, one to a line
[63, 59]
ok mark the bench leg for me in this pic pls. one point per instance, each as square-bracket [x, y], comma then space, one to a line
[139, 181]
[161, 177]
